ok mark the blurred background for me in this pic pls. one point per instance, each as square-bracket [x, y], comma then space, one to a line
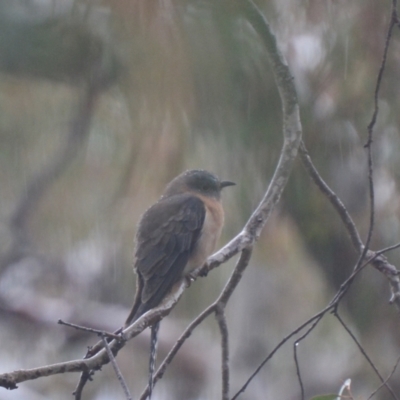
[102, 102]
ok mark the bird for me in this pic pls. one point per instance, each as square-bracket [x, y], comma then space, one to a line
[175, 236]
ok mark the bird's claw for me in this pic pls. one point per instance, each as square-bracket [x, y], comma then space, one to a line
[204, 271]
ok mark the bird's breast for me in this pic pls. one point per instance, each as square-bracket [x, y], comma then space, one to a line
[210, 233]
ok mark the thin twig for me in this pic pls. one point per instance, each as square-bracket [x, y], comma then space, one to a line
[371, 126]
[364, 353]
[90, 330]
[332, 197]
[296, 363]
[386, 249]
[386, 380]
[375, 258]
[381, 263]
[314, 320]
[295, 347]
[277, 347]
[393, 20]
[116, 368]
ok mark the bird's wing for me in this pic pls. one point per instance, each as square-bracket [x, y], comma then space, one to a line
[167, 236]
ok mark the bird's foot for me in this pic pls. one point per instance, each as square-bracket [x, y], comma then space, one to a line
[204, 271]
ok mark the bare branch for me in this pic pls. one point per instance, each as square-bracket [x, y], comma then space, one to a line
[393, 21]
[296, 362]
[93, 363]
[296, 346]
[376, 258]
[389, 248]
[379, 265]
[311, 320]
[223, 328]
[386, 380]
[371, 126]
[116, 369]
[332, 197]
[90, 330]
[363, 352]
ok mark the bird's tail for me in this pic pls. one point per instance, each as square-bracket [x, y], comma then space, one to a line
[153, 354]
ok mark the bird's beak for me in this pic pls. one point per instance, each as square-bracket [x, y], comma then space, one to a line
[226, 183]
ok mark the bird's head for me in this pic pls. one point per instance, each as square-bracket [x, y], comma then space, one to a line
[198, 181]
